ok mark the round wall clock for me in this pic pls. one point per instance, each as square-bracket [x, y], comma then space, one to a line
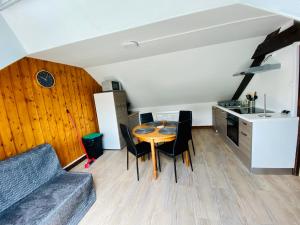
[45, 79]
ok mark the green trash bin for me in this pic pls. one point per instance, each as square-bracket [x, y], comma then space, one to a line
[93, 145]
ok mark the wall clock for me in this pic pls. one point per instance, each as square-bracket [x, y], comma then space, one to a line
[45, 79]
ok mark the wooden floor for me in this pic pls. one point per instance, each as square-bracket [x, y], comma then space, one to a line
[219, 191]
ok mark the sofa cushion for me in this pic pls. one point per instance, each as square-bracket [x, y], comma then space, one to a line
[24, 173]
[62, 200]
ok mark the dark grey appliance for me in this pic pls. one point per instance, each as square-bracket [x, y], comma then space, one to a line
[233, 128]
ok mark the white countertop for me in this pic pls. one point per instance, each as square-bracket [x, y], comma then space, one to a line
[255, 117]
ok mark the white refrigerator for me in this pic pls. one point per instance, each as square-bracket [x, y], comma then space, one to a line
[111, 110]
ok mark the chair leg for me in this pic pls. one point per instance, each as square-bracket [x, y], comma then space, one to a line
[182, 157]
[127, 160]
[158, 157]
[175, 169]
[137, 169]
[148, 156]
[193, 145]
[190, 159]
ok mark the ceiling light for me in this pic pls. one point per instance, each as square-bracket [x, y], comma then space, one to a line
[131, 44]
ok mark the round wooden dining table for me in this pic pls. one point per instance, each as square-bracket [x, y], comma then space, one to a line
[153, 138]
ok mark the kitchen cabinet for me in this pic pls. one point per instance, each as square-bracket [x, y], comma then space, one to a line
[265, 145]
[243, 149]
[220, 122]
[214, 125]
[133, 120]
[245, 142]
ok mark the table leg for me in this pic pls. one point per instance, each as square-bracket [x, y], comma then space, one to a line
[186, 158]
[153, 159]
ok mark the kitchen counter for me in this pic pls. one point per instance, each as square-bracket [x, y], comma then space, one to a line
[255, 117]
[264, 145]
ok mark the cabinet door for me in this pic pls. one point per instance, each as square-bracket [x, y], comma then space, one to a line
[221, 121]
[214, 122]
[121, 112]
[245, 138]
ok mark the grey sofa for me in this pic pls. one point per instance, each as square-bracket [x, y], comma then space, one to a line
[35, 190]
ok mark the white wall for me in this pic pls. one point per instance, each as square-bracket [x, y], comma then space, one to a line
[201, 112]
[289, 8]
[11, 49]
[192, 78]
[280, 86]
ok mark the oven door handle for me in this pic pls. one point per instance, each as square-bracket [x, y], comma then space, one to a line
[231, 121]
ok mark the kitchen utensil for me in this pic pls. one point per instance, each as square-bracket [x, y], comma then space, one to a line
[249, 97]
[255, 96]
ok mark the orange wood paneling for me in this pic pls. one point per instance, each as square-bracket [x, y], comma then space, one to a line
[32, 115]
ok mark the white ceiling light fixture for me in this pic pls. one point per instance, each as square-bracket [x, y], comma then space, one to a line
[140, 43]
[6, 3]
[131, 44]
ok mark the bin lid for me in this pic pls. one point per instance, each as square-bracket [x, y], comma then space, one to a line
[92, 135]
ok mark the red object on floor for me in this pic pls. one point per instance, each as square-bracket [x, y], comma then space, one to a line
[89, 160]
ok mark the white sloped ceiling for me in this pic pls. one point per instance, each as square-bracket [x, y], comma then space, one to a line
[213, 26]
[191, 76]
[11, 48]
[44, 24]
[188, 53]
[288, 8]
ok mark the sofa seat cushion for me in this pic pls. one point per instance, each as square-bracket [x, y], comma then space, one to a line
[62, 200]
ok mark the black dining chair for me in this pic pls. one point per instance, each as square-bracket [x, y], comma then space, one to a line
[184, 116]
[146, 117]
[177, 147]
[138, 150]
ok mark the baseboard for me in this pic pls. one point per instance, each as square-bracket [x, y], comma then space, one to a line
[202, 127]
[74, 163]
[273, 171]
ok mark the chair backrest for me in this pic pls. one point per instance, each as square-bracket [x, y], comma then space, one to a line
[187, 116]
[128, 138]
[182, 137]
[146, 117]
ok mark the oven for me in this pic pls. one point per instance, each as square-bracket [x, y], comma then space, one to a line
[233, 128]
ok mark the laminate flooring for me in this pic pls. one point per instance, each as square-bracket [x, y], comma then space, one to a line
[220, 191]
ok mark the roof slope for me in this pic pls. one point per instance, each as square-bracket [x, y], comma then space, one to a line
[190, 76]
[188, 51]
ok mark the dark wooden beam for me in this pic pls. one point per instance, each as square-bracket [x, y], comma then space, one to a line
[278, 41]
[273, 42]
[297, 159]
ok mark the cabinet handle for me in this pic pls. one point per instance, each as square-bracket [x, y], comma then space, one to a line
[245, 123]
[243, 134]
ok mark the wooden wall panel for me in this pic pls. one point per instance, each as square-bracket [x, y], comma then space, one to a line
[31, 115]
